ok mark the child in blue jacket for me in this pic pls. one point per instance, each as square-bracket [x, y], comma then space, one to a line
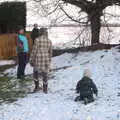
[22, 51]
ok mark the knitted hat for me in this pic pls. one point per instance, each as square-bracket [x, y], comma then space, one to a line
[42, 31]
[87, 73]
[20, 28]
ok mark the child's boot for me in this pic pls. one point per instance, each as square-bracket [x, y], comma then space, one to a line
[37, 88]
[45, 88]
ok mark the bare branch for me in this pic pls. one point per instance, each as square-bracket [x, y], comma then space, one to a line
[79, 3]
[112, 15]
[72, 17]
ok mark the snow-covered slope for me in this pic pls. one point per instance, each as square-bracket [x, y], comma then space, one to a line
[59, 103]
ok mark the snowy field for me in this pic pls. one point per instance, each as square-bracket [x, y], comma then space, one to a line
[59, 103]
[6, 62]
[67, 37]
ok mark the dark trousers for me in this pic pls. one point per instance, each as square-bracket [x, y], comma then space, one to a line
[22, 61]
[86, 99]
[42, 76]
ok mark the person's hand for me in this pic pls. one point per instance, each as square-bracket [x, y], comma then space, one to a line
[31, 64]
[27, 58]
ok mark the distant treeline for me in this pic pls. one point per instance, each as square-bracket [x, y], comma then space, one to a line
[12, 14]
[29, 26]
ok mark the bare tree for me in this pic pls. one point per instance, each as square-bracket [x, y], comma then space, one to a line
[92, 8]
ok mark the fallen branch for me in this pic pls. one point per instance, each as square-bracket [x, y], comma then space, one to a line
[60, 68]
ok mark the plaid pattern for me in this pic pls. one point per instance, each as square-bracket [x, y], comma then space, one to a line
[41, 54]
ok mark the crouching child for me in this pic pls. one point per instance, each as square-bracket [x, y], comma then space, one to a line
[86, 88]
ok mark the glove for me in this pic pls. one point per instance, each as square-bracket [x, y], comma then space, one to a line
[27, 58]
[31, 63]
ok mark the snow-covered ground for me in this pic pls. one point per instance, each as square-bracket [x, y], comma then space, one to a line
[6, 62]
[59, 103]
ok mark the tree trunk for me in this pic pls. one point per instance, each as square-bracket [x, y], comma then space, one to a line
[95, 29]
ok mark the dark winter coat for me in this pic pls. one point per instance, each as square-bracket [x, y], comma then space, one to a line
[86, 87]
[34, 34]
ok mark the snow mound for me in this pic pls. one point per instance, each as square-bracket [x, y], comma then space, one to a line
[59, 103]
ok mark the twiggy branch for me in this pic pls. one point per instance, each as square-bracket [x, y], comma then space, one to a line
[77, 21]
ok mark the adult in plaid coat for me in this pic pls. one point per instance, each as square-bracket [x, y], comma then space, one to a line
[41, 59]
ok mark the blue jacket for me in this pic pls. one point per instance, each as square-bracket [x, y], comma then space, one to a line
[24, 41]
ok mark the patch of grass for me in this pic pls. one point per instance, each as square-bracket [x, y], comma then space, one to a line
[4, 79]
[11, 89]
[5, 67]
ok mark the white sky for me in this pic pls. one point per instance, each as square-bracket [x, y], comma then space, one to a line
[34, 17]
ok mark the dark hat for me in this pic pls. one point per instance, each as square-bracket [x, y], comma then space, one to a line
[20, 28]
[42, 30]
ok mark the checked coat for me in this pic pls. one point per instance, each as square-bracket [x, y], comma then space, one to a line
[41, 54]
